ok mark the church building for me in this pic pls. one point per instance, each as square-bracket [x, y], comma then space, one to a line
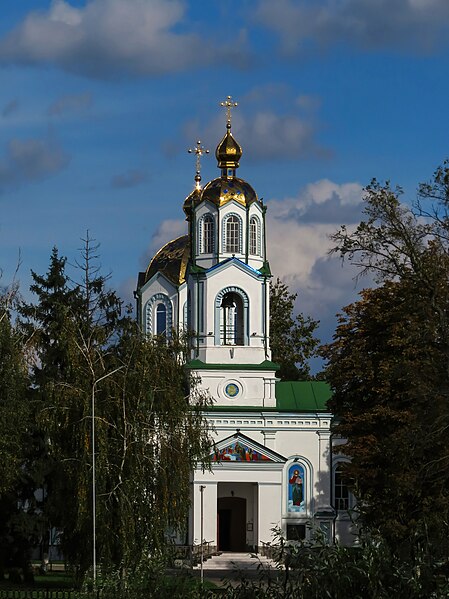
[272, 459]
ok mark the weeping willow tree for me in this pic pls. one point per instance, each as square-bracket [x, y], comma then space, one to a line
[148, 436]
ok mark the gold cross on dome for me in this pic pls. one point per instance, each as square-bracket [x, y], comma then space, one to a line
[199, 151]
[229, 105]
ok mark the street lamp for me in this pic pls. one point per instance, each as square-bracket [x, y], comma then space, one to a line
[94, 492]
[202, 487]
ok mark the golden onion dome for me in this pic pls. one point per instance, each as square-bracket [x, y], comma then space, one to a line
[220, 191]
[171, 261]
[229, 151]
[192, 199]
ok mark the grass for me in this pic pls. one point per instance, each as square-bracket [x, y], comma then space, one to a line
[51, 580]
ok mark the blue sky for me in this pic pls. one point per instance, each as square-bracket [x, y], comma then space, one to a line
[100, 100]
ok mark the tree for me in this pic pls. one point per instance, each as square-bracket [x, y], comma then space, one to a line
[17, 522]
[389, 368]
[292, 337]
[147, 436]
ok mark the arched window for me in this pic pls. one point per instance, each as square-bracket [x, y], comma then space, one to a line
[159, 315]
[231, 319]
[207, 235]
[254, 236]
[161, 320]
[342, 494]
[232, 242]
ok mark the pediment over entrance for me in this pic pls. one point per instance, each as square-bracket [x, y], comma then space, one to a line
[240, 448]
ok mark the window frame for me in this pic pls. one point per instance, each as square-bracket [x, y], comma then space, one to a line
[341, 503]
[206, 241]
[151, 314]
[236, 234]
[254, 236]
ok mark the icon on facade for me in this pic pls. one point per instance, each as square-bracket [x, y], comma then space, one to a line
[232, 390]
[296, 499]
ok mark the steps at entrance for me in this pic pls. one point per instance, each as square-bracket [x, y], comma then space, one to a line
[237, 562]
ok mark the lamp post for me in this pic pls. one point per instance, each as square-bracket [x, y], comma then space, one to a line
[202, 487]
[94, 491]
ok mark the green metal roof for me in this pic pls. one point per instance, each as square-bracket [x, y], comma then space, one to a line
[291, 396]
[302, 396]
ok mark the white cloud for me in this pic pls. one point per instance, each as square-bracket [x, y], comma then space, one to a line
[298, 245]
[108, 37]
[30, 160]
[416, 25]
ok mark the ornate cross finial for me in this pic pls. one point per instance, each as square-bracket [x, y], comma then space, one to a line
[199, 151]
[229, 105]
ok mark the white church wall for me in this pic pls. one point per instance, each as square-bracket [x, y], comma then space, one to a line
[270, 501]
[253, 351]
[257, 261]
[256, 388]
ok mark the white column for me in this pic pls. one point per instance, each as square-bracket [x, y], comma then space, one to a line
[269, 516]
[323, 498]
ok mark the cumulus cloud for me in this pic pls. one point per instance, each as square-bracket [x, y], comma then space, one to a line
[322, 202]
[10, 108]
[108, 37]
[416, 25]
[131, 178]
[29, 160]
[70, 103]
[298, 246]
[278, 126]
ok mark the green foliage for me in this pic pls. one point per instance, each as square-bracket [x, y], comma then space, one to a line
[389, 369]
[148, 580]
[18, 522]
[147, 435]
[13, 406]
[292, 337]
[314, 570]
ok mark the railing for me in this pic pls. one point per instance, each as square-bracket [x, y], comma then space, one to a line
[190, 555]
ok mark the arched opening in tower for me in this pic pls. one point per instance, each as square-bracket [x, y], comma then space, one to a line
[231, 319]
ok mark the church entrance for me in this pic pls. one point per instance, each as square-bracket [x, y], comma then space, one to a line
[231, 524]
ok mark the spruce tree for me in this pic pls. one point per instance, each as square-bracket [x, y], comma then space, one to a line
[18, 525]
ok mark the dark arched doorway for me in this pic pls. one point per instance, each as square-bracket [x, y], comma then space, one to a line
[231, 524]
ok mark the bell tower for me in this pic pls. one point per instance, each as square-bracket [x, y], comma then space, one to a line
[228, 283]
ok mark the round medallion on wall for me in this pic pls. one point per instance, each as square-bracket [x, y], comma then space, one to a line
[232, 390]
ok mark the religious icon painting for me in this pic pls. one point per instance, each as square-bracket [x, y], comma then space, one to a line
[296, 489]
[239, 452]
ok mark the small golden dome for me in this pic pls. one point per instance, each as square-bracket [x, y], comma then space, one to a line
[229, 151]
[171, 260]
[191, 199]
[221, 191]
